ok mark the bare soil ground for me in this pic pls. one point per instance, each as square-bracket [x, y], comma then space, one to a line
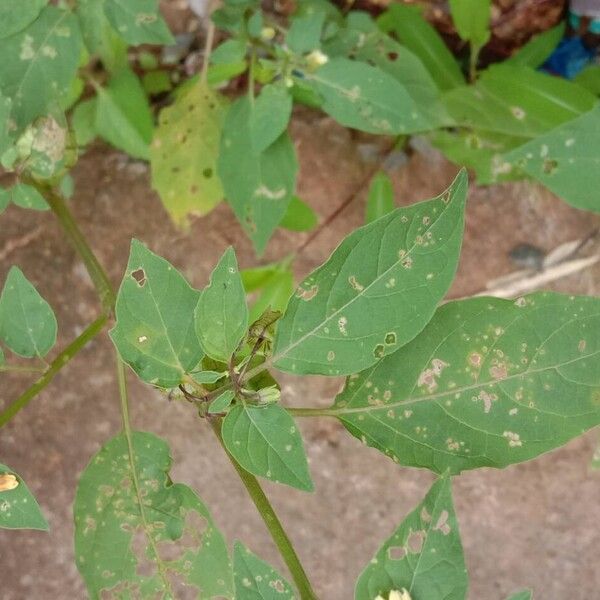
[534, 524]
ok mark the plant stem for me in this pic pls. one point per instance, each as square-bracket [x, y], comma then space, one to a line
[55, 366]
[94, 268]
[210, 36]
[271, 521]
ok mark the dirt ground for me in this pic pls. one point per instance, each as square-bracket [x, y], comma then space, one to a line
[534, 524]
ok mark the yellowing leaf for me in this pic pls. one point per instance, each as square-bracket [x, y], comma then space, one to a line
[184, 153]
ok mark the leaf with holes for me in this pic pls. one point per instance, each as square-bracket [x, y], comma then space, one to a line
[515, 100]
[380, 200]
[138, 21]
[184, 153]
[221, 315]
[259, 187]
[138, 534]
[266, 442]
[377, 291]
[422, 39]
[39, 63]
[424, 556]
[358, 95]
[488, 383]
[27, 322]
[123, 116]
[566, 160]
[155, 306]
[255, 579]
[18, 507]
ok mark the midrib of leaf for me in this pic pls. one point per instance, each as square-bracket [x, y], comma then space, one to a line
[283, 353]
[162, 569]
[41, 45]
[428, 531]
[411, 401]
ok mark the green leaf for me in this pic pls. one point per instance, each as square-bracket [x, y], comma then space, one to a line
[269, 116]
[18, 507]
[266, 442]
[6, 133]
[488, 383]
[566, 160]
[377, 291]
[305, 29]
[255, 579]
[259, 187]
[230, 51]
[517, 101]
[15, 16]
[422, 39]
[472, 20]
[27, 322]
[207, 376]
[424, 556]
[535, 52]
[123, 115]
[156, 82]
[275, 282]
[522, 595]
[368, 44]
[380, 200]
[39, 63]
[83, 122]
[299, 216]
[139, 534]
[366, 98]
[589, 79]
[221, 403]
[138, 21]
[221, 315]
[219, 73]
[26, 196]
[155, 306]
[184, 153]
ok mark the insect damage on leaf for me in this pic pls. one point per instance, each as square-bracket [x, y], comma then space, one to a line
[8, 481]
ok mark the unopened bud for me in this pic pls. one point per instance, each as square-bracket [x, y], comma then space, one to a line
[268, 395]
[267, 34]
[317, 58]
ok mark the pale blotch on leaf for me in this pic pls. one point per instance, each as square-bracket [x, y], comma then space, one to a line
[8, 482]
[514, 439]
[430, 376]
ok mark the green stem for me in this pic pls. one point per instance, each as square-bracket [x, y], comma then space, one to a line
[94, 268]
[273, 524]
[55, 366]
[473, 59]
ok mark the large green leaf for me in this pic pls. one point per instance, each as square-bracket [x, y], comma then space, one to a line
[422, 39]
[27, 322]
[378, 289]
[18, 507]
[138, 534]
[221, 315]
[488, 383]
[123, 115]
[305, 29]
[518, 101]
[539, 47]
[39, 63]
[138, 21]
[184, 153]
[155, 333]
[259, 186]
[15, 16]
[472, 20]
[424, 556]
[366, 98]
[257, 580]
[266, 442]
[566, 160]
